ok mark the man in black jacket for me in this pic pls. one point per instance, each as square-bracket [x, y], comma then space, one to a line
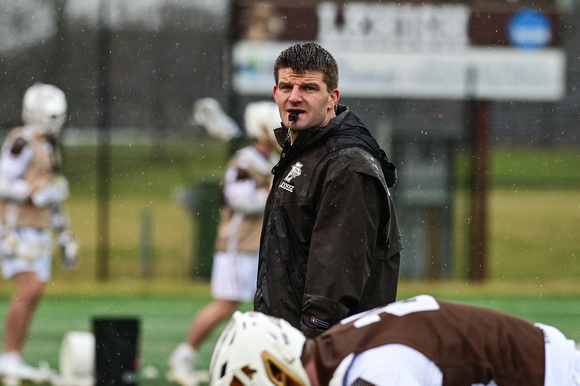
[330, 241]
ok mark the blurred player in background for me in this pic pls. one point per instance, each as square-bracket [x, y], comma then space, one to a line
[245, 187]
[32, 190]
[416, 342]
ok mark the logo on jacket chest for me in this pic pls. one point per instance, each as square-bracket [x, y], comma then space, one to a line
[294, 172]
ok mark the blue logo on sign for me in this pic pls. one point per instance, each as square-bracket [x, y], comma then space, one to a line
[529, 29]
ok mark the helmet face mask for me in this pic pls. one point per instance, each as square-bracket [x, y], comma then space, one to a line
[44, 109]
[278, 373]
[255, 349]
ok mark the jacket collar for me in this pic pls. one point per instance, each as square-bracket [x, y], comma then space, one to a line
[313, 135]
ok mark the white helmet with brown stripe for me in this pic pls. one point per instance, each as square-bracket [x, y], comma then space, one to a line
[256, 349]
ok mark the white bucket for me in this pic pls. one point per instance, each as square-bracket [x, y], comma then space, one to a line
[77, 358]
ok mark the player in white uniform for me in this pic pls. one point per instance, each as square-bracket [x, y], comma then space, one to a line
[245, 188]
[416, 342]
[32, 191]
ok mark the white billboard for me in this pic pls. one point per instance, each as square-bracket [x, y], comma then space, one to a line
[490, 73]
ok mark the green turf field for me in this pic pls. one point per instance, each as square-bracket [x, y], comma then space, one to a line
[165, 318]
[533, 226]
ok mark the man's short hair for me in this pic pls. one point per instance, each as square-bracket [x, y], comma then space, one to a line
[302, 57]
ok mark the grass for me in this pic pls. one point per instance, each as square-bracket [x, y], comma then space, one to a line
[531, 235]
[553, 217]
[165, 318]
[534, 214]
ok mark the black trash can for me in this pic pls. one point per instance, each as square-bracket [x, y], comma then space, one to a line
[117, 351]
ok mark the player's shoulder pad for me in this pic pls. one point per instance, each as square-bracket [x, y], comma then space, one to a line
[18, 145]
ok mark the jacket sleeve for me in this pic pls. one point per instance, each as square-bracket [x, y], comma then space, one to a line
[343, 242]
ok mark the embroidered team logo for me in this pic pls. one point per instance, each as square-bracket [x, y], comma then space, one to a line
[294, 172]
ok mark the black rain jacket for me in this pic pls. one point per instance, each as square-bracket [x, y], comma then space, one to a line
[330, 240]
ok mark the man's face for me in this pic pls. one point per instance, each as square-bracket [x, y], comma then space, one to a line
[307, 95]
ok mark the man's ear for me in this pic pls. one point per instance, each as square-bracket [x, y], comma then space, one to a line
[334, 97]
[274, 93]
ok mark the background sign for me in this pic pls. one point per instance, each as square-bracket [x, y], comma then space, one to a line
[498, 73]
[529, 29]
[383, 51]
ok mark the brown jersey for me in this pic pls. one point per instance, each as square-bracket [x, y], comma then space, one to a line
[469, 344]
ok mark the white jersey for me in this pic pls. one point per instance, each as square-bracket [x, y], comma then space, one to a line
[400, 365]
[26, 161]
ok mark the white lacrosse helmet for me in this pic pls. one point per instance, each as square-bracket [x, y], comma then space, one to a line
[44, 108]
[260, 119]
[256, 349]
[208, 113]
